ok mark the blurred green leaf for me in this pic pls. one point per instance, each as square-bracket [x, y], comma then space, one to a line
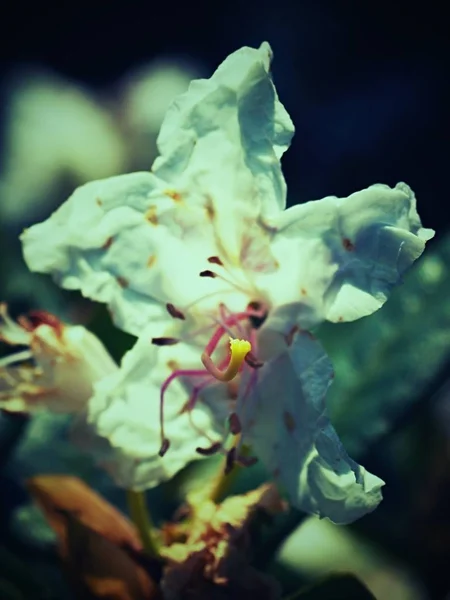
[337, 587]
[386, 361]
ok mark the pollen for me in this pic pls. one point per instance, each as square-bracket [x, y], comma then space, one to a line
[151, 216]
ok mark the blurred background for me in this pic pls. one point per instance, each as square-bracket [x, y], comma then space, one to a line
[84, 88]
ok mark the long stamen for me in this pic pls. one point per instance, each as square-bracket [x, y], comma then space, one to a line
[239, 350]
[17, 357]
[165, 443]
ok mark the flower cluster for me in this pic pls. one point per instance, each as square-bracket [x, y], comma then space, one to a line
[201, 251]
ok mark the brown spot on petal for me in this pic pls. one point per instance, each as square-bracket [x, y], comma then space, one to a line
[340, 319]
[303, 292]
[108, 243]
[173, 365]
[122, 281]
[209, 207]
[99, 202]
[176, 196]
[289, 421]
[348, 245]
[150, 215]
[151, 260]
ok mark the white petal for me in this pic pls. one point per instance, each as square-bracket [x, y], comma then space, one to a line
[125, 241]
[125, 411]
[364, 243]
[285, 422]
[226, 136]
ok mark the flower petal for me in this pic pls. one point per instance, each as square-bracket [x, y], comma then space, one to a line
[125, 411]
[364, 243]
[226, 135]
[127, 242]
[293, 437]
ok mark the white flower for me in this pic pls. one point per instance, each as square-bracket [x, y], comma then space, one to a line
[58, 370]
[201, 249]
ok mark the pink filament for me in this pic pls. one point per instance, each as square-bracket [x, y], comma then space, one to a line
[230, 321]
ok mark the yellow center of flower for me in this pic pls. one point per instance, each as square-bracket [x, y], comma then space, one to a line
[239, 350]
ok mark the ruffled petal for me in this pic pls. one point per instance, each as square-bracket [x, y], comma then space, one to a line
[225, 135]
[362, 246]
[293, 437]
[127, 241]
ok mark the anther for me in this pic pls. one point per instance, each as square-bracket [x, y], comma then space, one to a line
[234, 424]
[239, 349]
[207, 273]
[252, 361]
[230, 460]
[215, 260]
[164, 447]
[164, 341]
[211, 450]
[174, 312]
[246, 461]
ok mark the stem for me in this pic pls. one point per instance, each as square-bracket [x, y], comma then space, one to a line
[141, 518]
[224, 481]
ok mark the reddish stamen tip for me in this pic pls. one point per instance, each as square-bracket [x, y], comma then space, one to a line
[253, 362]
[164, 447]
[164, 341]
[230, 460]
[207, 273]
[215, 260]
[174, 312]
[209, 451]
[42, 317]
[234, 424]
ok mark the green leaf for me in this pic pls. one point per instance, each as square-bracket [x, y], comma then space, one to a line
[386, 361]
[337, 587]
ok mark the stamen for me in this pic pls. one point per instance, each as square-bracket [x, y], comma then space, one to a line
[246, 461]
[239, 349]
[230, 460]
[164, 341]
[215, 260]
[164, 447]
[13, 358]
[178, 373]
[252, 361]
[174, 312]
[234, 424]
[207, 273]
[211, 450]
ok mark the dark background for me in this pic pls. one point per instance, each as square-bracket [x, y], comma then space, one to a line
[365, 82]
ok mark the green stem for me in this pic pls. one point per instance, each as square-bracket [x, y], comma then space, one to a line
[224, 482]
[141, 518]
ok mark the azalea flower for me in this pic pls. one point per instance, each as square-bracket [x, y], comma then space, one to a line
[201, 260]
[56, 371]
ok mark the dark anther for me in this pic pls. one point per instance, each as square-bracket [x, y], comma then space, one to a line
[231, 457]
[164, 341]
[207, 273]
[215, 260]
[246, 461]
[257, 319]
[164, 447]
[234, 424]
[252, 361]
[174, 312]
[211, 450]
